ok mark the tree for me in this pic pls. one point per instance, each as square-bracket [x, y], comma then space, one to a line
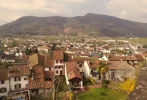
[102, 72]
[36, 50]
[27, 51]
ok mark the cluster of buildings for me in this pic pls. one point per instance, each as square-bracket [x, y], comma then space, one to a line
[33, 74]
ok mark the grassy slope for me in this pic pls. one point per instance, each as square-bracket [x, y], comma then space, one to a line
[96, 94]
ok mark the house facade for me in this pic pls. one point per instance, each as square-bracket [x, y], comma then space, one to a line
[19, 84]
[4, 83]
[72, 75]
[118, 70]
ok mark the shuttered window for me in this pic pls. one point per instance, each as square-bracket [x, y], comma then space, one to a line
[17, 86]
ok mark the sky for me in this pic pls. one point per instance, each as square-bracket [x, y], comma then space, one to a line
[135, 10]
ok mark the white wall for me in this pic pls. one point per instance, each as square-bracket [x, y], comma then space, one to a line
[86, 69]
[67, 82]
[6, 85]
[58, 64]
[22, 82]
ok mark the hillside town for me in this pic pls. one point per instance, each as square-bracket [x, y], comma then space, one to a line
[64, 67]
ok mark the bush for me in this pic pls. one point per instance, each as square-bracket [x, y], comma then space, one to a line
[128, 85]
[88, 81]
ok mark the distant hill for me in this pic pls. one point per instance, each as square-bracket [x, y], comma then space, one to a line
[90, 24]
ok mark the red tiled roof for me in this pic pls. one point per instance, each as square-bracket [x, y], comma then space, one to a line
[38, 81]
[22, 70]
[124, 58]
[49, 63]
[144, 54]
[139, 57]
[74, 74]
[93, 64]
[119, 65]
[48, 74]
[3, 74]
[58, 55]
[71, 66]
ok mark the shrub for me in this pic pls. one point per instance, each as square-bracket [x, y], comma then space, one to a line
[128, 85]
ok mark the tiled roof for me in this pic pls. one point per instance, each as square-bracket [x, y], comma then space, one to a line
[144, 54]
[48, 74]
[58, 55]
[71, 66]
[119, 65]
[81, 59]
[93, 64]
[74, 74]
[49, 63]
[38, 80]
[22, 70]
[139, 57]
[3, 74]
[41, 59]
[124, 58]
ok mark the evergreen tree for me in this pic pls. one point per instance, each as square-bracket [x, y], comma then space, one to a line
[27, 51]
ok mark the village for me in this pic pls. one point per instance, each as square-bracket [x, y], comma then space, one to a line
[60, 69]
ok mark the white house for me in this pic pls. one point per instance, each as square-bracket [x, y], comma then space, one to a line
[90, 69]
[58, 58]
[73, 77]
[120, 69]
[4, 83]
[18, 78]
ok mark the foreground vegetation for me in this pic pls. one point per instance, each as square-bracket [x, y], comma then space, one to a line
[102, 94]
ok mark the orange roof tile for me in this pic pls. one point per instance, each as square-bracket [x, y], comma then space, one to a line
[58, 55]
[22, 70]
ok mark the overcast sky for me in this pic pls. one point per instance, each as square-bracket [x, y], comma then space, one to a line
[11, 10]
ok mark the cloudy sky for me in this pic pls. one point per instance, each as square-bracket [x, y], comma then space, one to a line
[11, 10]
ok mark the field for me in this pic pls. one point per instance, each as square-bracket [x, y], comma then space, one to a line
[139, 40]
[102, 94]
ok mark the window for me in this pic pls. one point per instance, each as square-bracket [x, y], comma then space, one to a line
[2, 82]
[17, 86]
[56, 67]
[80, 65]
[61, 72]
[27, 85]
[56, 61]
[59, 67]
[26, 78]
[92, 71]
[17, 79]
[60, 61]
[56, 72]
[3, 90]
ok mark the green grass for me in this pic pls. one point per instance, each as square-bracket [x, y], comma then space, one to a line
[102, 94]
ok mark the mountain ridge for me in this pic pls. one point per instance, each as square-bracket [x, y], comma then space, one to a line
[89, 24]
